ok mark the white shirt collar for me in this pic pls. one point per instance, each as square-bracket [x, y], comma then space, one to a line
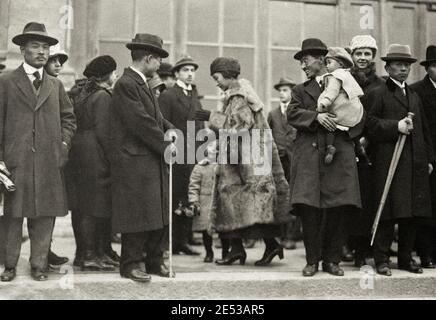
[31, 70]
[319, 79]
[433, 82]
[284, 107]
[398, 83]
[140, 74]
[183, 85]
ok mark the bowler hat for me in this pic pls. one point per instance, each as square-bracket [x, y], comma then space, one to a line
[284, 82]
[155, 82]
[430, 56]
[311, 46]
[342, 55]
[399, 52]
[56, 51]
[147, 41]
[185, 61]
[34, 30]
[100, 66]
[165, 70]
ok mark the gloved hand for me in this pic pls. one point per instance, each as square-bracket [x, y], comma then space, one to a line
[202, 115]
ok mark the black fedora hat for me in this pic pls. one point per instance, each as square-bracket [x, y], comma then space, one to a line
[311, 46]
[399, 52]
[430, 56]
[284, 82]
[36, 31]
[185, 61]
[165, 70]
[148, 41]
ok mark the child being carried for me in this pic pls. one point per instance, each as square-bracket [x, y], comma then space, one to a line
[340, 96]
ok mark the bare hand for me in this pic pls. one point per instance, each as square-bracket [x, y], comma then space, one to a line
[405, 126]
[327, 121]
[430, 168]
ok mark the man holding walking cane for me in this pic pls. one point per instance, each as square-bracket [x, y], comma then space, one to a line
[408, 198]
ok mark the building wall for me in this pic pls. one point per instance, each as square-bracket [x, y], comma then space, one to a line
[263, 34]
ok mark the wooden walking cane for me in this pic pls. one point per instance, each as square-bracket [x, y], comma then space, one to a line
[393, 166]
[170, 220]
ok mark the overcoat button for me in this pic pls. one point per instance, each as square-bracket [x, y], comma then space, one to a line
[314, 145]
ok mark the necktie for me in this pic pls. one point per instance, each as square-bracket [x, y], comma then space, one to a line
[37, 82]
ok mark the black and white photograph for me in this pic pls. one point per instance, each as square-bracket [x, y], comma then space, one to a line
[241, 151]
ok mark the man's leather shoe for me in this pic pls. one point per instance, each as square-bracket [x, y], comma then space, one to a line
[96, 265]
[39, 275]
[384, 269]
[410, 266]
[106, 259]
[209, 257]
[162, 271]
[137, 275]
[310, 270]
[186, 249]
[8, 275]
[427, 263]
[332, 268]
[54, 261]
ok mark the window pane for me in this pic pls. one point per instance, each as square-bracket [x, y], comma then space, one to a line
[246, 59]
[284, 65]
[286, 22]
[204, 56]
[203, 20]
[239, 21]
[117, 19]
[154, 17]
[320, 22]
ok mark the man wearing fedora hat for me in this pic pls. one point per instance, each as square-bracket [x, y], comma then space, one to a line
[138, 170]
[284, 136]
[426, 89]
[166, 74]
[36, 124]
[317, 197]
[178, 105]
[409, 193]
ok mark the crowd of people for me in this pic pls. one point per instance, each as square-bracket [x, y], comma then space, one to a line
[100, 151]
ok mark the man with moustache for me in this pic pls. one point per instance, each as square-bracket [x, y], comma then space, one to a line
[409, 193]
[178, 105]
[36, 126]
[316, 195]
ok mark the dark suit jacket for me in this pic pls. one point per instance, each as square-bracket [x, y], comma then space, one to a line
[139, 173]
[32, 129]
[283, 133]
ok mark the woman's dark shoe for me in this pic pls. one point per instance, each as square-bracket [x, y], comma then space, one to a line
[137, 275]
[232, 257]
[310, 270]
[209, 257]
[96, 265]
[269, 255]
[410, 266]
[333, 269]
[54, 261]
[105, 259]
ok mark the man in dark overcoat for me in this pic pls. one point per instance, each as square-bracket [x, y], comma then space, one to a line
[409, 194]
[426, 90]
[138, 169]
[178, 105]
[284, 136]
[320, 192]
[36, 126]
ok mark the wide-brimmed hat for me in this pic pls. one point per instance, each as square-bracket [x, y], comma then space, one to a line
[363, 41]
[56, 51]
[284, 82]
[36, 31]
[311, 46]
[100, 66]
[165, 70]
[149, 42]
[399, 52]
[430, 56]
[185, 61]
[340, 54]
